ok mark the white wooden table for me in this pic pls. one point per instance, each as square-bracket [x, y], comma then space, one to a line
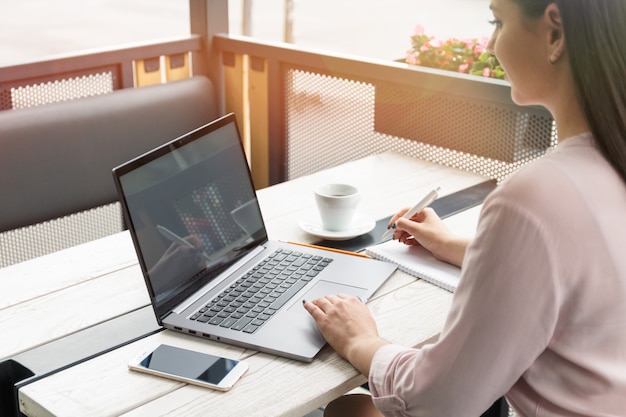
[57, 295]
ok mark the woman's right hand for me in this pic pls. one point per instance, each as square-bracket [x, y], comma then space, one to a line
[428, 230]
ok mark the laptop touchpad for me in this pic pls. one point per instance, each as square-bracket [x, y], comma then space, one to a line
[323, 288]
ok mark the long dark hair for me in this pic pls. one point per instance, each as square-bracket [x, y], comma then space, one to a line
[595, 35]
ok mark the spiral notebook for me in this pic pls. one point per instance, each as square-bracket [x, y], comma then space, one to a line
[417, 261]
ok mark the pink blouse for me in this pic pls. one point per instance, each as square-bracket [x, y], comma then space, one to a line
[540, 314]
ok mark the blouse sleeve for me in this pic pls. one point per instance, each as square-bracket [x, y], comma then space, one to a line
[502, 317]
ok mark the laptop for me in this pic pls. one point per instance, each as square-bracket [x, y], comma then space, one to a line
[210, 270]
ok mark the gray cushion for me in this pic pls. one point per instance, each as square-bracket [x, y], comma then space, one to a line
[56, 159]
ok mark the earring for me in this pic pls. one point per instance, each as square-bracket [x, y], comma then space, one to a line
[554, 57]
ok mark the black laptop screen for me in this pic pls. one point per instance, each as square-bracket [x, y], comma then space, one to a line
[192, 210]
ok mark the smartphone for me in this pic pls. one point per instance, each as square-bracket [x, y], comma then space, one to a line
[189, 366]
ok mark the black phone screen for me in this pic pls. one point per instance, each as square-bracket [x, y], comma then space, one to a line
[188, 364]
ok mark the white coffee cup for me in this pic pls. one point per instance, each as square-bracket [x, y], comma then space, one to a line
[337, 204]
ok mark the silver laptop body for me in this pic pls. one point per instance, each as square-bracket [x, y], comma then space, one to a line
[192, 212]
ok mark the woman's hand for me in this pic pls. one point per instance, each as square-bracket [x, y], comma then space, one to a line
[348, 326]
[428, 230]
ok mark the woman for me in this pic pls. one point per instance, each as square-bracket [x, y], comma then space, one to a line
[540, 314]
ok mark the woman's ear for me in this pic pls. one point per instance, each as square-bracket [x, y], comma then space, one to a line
[556, 38]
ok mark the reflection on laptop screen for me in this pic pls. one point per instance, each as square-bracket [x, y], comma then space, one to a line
[194, 211]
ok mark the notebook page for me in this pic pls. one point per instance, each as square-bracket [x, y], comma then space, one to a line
[417, 261]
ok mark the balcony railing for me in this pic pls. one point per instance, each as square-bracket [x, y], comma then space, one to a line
[305, 110]
[96, 72]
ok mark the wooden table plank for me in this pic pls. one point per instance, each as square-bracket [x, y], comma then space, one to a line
[70, 309]
[53, 272]
[105, 386]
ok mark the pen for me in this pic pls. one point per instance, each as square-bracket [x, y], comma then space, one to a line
[173, 237]
[345, 252]
[423, 203]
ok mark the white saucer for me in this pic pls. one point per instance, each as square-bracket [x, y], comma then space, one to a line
[311, 223]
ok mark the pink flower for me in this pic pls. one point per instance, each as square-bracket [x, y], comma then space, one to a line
[412, 59]
[456, 54]
[481, 45]
[469, 43]
[435, 43]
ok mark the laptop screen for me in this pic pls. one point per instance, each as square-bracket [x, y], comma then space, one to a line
[192, 210]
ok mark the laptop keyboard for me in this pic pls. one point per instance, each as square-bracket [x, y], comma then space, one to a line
[254, 298]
